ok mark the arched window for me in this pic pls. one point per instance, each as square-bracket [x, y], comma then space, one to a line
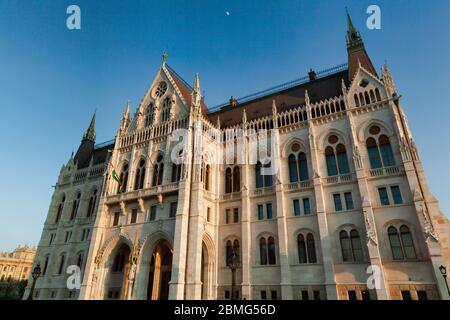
[229, 250]
[165, 110]
[271, 253]
[372, 96]
[374, 155]
[262, 180]
[366, 97]
[236, 179]
[140, 175]
[44, 269]
[158, 170]
[176, 168]
[407, 243]
[330, 160]
[61, 264]
[263, 251]
[345, 246]
[80, 259]
[120, 259]
[75, 205]
[149, 114]
[377, 94]
[92, 203]
[342, 159]
[60, 209]
[394, 241]
[311, 248]
[356, 245]
[236, 246]
[258, 177]
[386, 151]
[356, 100]
[123, 179]
[228, 181]
[207, 177]
[303, 166]
[293, 176]
[301, 246]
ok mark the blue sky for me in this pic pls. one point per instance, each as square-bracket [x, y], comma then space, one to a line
[52, 79]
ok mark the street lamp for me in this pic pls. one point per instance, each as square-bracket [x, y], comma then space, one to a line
[233, 262]
[443, 271]
[36, 273]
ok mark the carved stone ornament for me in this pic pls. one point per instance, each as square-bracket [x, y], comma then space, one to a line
[370, 231]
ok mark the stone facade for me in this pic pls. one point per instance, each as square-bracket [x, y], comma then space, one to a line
[348, 192]
[16, 265]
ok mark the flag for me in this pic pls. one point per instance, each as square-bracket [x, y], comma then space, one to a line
[116, 177]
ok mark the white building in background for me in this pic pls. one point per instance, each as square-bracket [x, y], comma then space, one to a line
[349, 193]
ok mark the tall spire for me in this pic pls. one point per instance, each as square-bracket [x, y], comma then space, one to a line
[196, 92]
[353, 37]
[90, 132]
[357, 55]
[125, 116]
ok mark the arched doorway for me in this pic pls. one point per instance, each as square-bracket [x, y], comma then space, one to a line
[116, 285]
[160, 272]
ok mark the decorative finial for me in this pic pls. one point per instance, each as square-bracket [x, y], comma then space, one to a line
[196, 91]
[90, 132]
[244, 116]
[164, 57]
[307, 101]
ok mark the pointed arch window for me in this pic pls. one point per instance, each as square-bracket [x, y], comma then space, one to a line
[303, 166]
[123, 179]
[92, 203]
[140, 175]
[61, 264]
[386, 151]
[263, 251]
[149, 114]
[311, 247]
[271, 249]
[75, 206]
[330, 160]
[44, 269]
[377, 94]
[374, 155]
[176, 168]
[229, 251]
[228, 181]
[351, 246]
[263, 180]
[165, 110]
[158, 170]
[407, 242]
[60, 209]
[394, 241]
[306, 249]
[342, 159]
[380, 154]
[293, 176]
[80, 259]
[236, 179]
[402, 245]
[207, 177]
[301, 247]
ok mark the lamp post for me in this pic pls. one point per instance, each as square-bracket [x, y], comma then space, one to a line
[443, 271]
[233, 264]
[36, 273]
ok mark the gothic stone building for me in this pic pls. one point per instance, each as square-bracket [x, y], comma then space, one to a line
[178, 197]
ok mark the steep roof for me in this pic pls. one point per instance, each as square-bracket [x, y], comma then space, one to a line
[289, 95]
[184, 88]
